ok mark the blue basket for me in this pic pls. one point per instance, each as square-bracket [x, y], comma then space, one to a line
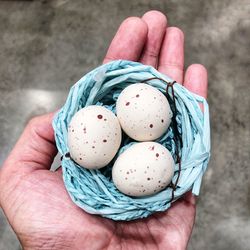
[94, 190]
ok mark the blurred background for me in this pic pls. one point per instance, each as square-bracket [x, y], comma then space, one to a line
[46, 46]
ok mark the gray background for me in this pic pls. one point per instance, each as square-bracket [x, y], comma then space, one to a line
[45, 46]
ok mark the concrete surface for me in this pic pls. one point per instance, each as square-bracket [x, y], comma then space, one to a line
[45, 46]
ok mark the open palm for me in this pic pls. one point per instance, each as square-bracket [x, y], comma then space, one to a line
[35, 200]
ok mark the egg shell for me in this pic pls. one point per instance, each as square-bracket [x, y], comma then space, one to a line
[94, 137]
[143, 169]
[143, 112]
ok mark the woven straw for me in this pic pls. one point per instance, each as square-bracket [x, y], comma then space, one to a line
[94, 190]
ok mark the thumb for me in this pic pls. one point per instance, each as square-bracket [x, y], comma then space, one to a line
[35, 149]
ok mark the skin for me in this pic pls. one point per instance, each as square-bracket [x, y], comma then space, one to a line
[34, 199]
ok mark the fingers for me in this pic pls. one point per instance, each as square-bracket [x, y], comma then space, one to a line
[36, 147]
[189, 198]
[128, 41]
[171, 60]
[157, 25]
[196, 79]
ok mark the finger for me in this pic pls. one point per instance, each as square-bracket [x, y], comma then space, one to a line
[157, 24]
[196, 79]
[189, 198]
[128, 41]
[171, 61]
[36, 147]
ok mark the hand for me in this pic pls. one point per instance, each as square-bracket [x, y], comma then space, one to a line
[34, 199]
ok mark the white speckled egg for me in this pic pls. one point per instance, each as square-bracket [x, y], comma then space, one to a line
[94, 136]
[145, 168]
[143, 112]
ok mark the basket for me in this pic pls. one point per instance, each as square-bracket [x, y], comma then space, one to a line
[94, 190]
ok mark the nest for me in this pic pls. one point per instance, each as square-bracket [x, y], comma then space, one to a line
[188, 140]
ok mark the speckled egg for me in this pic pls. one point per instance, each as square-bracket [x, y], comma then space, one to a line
[143, 112]
[143, 169]
[94, 137]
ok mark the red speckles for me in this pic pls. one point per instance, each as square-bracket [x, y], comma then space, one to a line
[104, 140]
[151, 125]
[137, 95]
[127, 103]
[99, 116]
[157, 155]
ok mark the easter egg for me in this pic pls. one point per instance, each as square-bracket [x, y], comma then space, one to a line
[143, 112]
[94, 137]
[143, 169]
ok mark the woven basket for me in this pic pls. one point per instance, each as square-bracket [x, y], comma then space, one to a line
[94, 190]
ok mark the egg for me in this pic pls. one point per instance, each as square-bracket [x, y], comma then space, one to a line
[94, 137]
[143, 112]
[143, 169]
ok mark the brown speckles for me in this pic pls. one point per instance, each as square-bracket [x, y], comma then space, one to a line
[162, 120]
[144, 190]
[148, 179]
[157, 155]
[151, 125]
[93, 146]
[99, 116]
[127, 172]
[104, 140]
[137, 95]
[127, 103]
[80, 158]
[145, 172]
[152, 148]
[159, 181]
[147, 167]
[105, 119]
[84, 130]
[126, 178]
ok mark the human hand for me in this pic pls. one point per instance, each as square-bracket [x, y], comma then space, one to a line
[34, 199]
